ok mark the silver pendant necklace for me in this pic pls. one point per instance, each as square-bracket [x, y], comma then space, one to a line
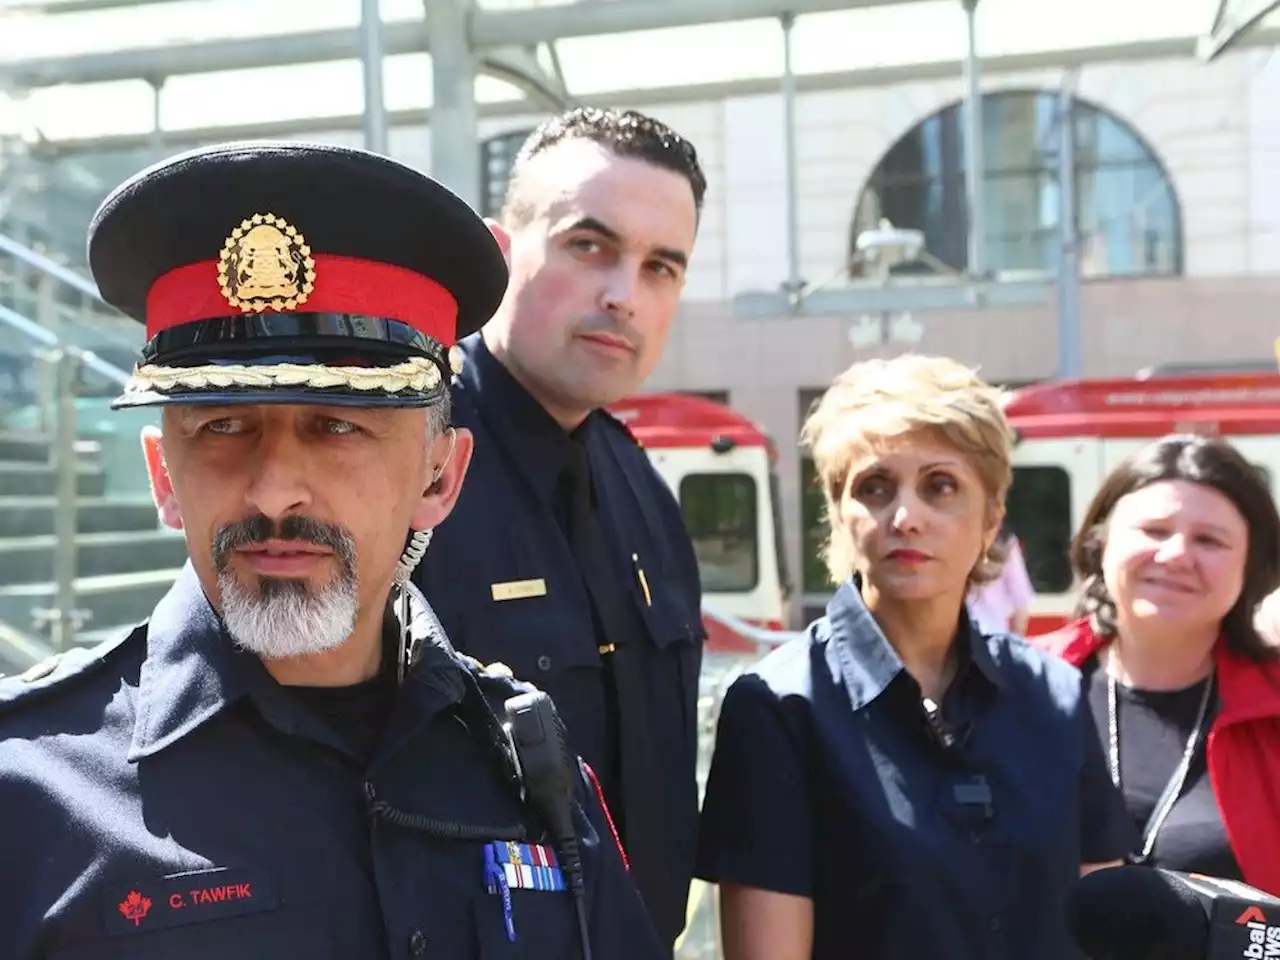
[1177, 782]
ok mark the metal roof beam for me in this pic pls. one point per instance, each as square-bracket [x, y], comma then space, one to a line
[684, 93]
[1233, 21]
[209, 56]
[520, 67]
[589, 18]
[56, 7]
[175, 140]
[492, 28]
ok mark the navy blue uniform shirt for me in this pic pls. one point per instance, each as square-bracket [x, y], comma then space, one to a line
[161, 796]
[828, 783]
[506, 586]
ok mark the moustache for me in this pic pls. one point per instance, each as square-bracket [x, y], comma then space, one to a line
[603, 323]
[257, 529]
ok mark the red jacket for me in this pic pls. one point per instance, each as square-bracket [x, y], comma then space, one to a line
[1243, 749]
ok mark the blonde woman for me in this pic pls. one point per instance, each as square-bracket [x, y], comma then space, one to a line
[899, 783]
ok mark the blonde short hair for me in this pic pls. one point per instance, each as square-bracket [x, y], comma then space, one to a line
[880, 400]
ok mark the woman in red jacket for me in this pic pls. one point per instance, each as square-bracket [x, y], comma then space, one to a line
[1178, 548]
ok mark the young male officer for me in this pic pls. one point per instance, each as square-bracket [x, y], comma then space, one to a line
[566, 557]
[288, 759]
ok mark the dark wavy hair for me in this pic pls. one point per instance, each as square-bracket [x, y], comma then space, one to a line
[627, 133]
[1211, 463]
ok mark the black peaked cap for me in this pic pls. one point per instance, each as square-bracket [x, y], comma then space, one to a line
[342, 202]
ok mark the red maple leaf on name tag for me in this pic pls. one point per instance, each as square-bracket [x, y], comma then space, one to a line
[135, 907]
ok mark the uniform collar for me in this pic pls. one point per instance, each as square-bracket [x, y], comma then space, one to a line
[193, 672]
[537, 445]
[861, 656]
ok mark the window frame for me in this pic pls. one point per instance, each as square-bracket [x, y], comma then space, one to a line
[753, 540]
[923, 173]
[1057, 512]
[508, 143]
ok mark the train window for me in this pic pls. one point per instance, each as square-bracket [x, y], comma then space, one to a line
[1039, 513]
[720, 514]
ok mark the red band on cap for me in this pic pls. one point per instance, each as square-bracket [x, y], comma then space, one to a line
[342, 285]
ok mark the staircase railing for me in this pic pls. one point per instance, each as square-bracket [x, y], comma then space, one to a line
[52, 268]
[61, 364]
[47, 338]
[64, 302]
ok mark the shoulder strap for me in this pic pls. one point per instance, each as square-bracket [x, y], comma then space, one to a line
[59, 670]
[607, 416]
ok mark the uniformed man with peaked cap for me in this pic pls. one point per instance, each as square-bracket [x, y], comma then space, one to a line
[288, 760]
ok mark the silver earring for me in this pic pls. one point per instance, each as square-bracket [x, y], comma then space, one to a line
[412, 555]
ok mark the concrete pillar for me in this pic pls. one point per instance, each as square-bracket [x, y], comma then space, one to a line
[455, 148]
[375, 107]
[156, 143]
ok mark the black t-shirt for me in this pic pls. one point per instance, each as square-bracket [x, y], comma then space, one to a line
[1154, 727]
[356, 713]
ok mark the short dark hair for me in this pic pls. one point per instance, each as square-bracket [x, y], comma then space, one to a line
[627, 133]
[1209, 462]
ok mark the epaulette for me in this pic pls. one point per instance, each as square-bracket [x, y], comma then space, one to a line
[621, 426]
[495, 669]
[495, 679]
[489, 687]
[56, 671]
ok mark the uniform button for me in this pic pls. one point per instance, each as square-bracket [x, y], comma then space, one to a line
[994, 924]
[544, 663]
[418, 943]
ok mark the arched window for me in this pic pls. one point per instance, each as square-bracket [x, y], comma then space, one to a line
[496, 156]
[1126, 210]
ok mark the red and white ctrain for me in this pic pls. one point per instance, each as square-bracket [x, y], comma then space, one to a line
[722, 469]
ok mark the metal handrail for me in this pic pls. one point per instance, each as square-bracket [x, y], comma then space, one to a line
[43, 335]
[51, 267]
[763, 639]
[49, 339]
[62, 619]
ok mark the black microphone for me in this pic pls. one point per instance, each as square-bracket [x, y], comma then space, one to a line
[548, 768]
[947, 736]
[1143, 913]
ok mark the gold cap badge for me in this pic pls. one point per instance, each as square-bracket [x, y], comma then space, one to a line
[266, 265]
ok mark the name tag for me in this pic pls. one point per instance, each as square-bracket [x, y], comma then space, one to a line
[182, 898]
[975, 793]
[519, 589]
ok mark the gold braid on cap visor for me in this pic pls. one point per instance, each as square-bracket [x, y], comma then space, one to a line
[416, 373]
